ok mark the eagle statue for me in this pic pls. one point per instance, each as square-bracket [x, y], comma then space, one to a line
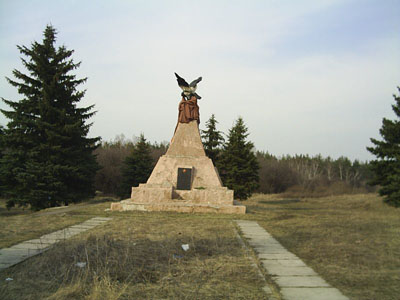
[189, 90]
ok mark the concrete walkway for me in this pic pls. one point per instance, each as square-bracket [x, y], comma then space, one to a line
[17, 253]
[290, 273]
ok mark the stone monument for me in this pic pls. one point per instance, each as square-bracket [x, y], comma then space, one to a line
[184, 179]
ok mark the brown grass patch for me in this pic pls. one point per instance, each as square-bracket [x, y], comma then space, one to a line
[139, 256]
[353, 241]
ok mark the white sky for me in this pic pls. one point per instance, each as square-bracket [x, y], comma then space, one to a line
[308, 77]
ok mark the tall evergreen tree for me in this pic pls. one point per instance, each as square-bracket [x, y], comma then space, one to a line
[1, 150]
[238, 164]
[212, 139]
[386, 167]
[137, 167]
[48, 159]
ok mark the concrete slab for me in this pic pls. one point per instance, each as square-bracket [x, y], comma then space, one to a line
[280, 256]
[50, 241]
[258, 235]
[7, 252]
[30, 246]
[284, 262]
[270, 250]
[296, 280]
[93, 223]
[312, 294]
[17, 253]
[263, 239]
[300, 281]
[258, 243]
[76, 230]
[55, 237]
[11, 259]
[288, 271]
[5, 266]
[36, 242]
[101, 218]
[256, 227]
[84, 226]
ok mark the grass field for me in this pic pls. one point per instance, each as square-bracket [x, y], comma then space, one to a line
[351, 241]
[19, 224]
[140, 256]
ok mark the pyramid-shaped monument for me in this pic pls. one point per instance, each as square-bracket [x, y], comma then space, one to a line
[184, 179]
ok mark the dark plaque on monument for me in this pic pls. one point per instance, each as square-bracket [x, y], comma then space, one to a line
[184, 179]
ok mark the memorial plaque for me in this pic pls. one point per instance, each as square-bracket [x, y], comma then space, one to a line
[184, 179]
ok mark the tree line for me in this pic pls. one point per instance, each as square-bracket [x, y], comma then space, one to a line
[313, 175]
[126, 163]
[302, 174]
[46, 158]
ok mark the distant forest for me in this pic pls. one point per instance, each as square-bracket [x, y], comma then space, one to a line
[297, 176]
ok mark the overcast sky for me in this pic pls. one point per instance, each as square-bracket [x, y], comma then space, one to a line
[308, 77]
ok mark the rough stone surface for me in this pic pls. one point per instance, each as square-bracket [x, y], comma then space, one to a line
[183, 207]
[159, 193]
[295, 279]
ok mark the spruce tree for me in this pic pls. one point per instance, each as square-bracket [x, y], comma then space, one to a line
[48, 159]
[212, 139]
[386, 167]
[1, 151]
[137, 167]
[238, 164]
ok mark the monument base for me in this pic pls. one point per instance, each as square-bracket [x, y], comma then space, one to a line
[178, 206]
[155, 197]
[183, 180]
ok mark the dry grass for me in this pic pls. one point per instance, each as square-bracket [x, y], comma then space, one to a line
[19, 224]
[321, 190]
[139, 256]
[352, 241]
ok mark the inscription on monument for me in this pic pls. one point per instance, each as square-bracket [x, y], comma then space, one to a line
[184, 179]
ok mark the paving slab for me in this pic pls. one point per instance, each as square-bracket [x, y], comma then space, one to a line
[50, 241]
[279, 256]
[288, 271]
[296, 280]
[312, 294]
[102, 218]
[300, 281]
[266, 244]
[36, 242]
[5, 266]
[95, 223]
[17, 253]
[11, 259]
[270, 250]
[263, 240]
[284, 262]
[8, 252]
[86, 226]
[30, 246]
